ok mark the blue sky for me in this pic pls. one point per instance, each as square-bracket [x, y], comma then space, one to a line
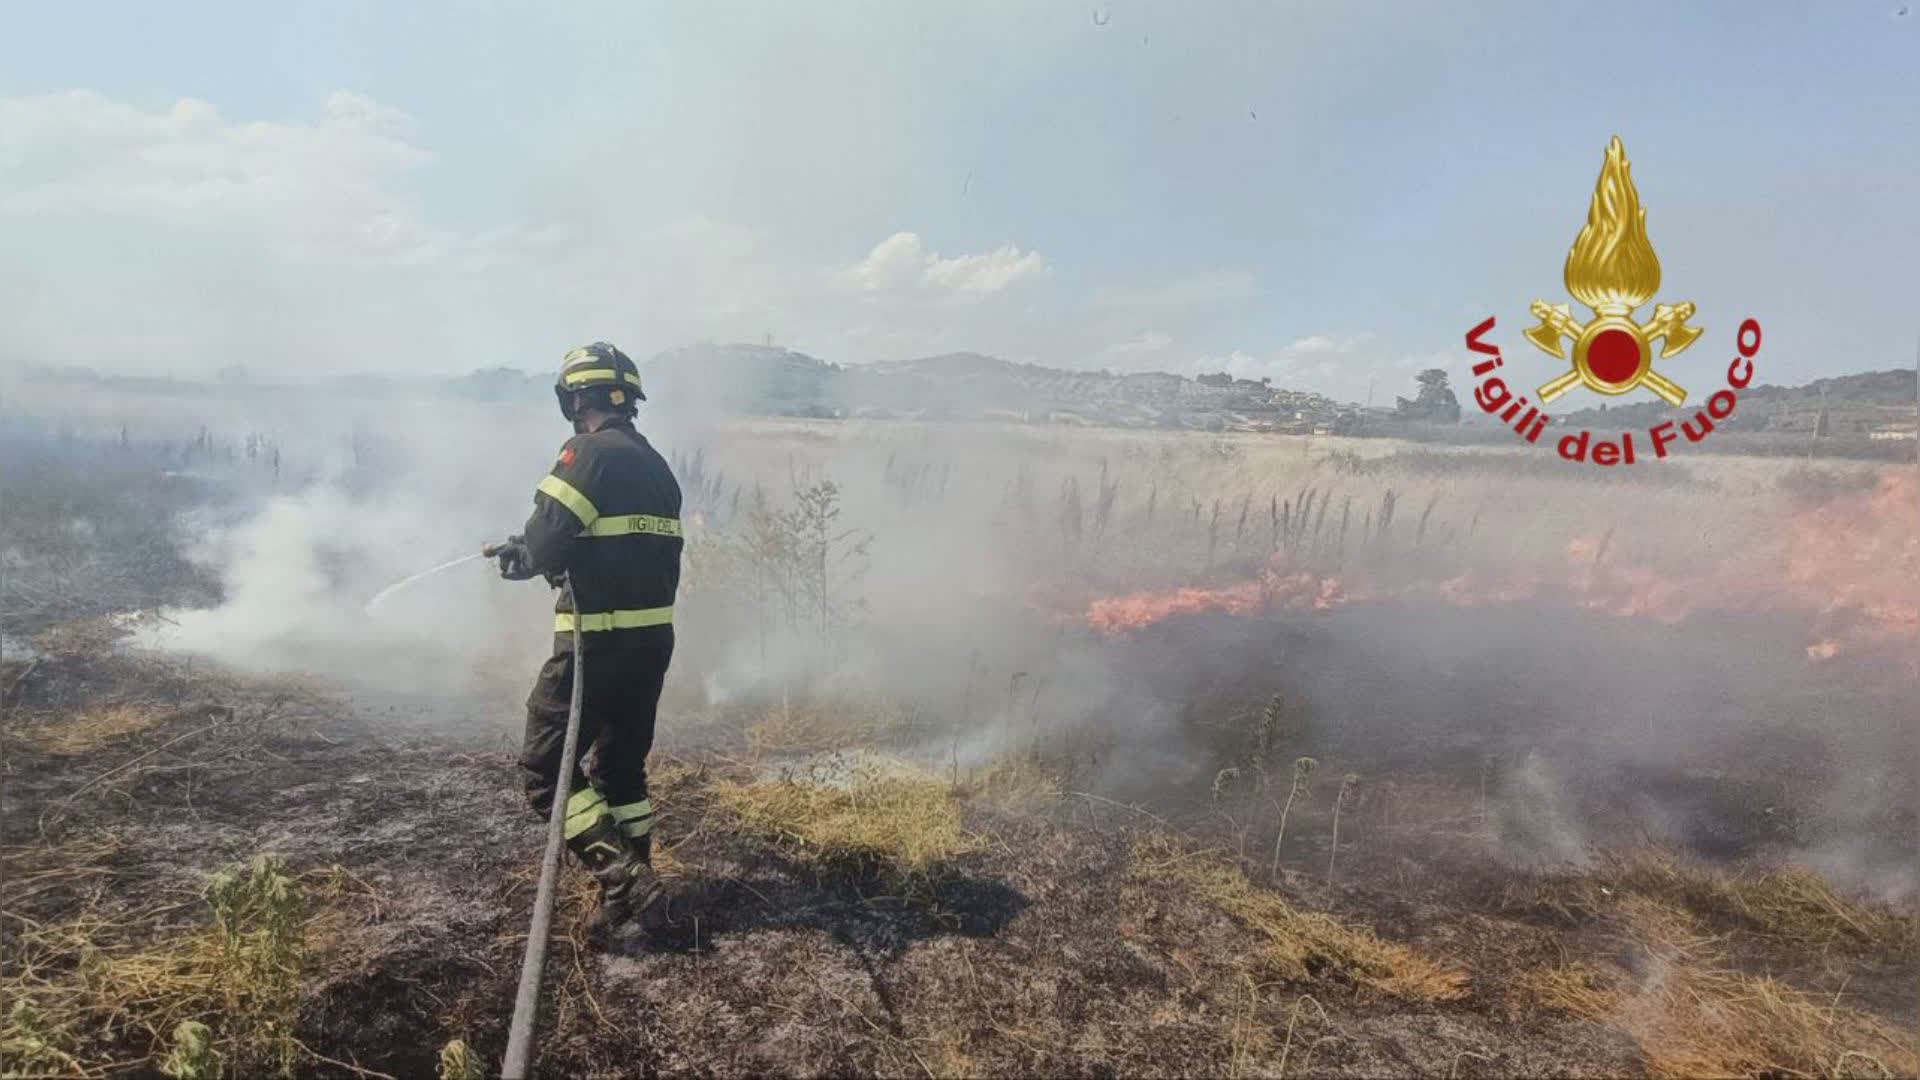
[1324, 194]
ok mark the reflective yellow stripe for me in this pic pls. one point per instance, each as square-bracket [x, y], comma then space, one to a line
[629, 811]
[631, 524]
[614, 620]
[634, 819]
[569, 496]
[583, 809]
[587, 375]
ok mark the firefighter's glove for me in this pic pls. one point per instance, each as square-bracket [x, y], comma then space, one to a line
[516, 562]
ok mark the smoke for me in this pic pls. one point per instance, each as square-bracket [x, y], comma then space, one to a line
[949, 573]
[297, 575]
[307, 501]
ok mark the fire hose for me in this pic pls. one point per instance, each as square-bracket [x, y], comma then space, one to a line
[526, 1002]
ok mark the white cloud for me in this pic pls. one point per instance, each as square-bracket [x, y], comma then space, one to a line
[902, 264]
[1327, 343]
[324, 190]
[1341, 364]
[1238, 363]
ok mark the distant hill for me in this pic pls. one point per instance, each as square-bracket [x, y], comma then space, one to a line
[1868, 414]
[1863, 404]
[766, 380]
[753, 379]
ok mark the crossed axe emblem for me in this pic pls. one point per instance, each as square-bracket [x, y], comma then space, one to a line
[1612, 354]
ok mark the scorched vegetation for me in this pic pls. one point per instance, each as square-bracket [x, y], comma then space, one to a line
[1004, 752]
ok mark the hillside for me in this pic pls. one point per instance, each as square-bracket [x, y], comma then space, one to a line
[774, 381]
[1870, 414]
[1864, 404]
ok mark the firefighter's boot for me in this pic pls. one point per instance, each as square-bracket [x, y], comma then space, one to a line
[651, 899]
[628, 885]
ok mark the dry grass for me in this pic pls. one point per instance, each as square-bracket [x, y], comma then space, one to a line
[1702, 1021]
[864, 809]
[1009, 782]
[91, 973]
[1575, 987]
[127, 979]
[83, 638]
[1694, 1016]
[1791, 904]
[819, 726]
[93, 728]
[1248, 1038]
[1299, 944]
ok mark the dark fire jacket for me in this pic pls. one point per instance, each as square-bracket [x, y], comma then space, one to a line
[608, 515]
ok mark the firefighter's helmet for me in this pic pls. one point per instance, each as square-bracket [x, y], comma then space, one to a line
[597, 371]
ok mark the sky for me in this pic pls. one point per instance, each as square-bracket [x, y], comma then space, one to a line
[1324, 194]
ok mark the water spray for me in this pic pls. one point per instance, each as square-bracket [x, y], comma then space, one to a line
[374, 604]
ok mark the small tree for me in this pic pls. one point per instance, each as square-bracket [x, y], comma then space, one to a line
[1434, 403]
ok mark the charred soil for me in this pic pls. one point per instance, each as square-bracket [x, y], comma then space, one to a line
[1001, 924]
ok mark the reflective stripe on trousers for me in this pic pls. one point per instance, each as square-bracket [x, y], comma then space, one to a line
[634, 819]
[630, 619]
[583, 809]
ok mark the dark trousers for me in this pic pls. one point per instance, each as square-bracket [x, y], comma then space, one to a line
[625, 670]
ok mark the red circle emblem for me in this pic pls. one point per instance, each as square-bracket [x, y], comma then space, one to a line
[1614, 356]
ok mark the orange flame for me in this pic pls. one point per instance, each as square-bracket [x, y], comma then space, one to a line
[1851, 566]
[1271, 591]
[1858, 557]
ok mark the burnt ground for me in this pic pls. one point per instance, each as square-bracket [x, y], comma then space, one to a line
[1053, 947]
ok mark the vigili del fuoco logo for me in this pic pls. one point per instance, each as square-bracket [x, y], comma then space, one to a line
[1612, 270]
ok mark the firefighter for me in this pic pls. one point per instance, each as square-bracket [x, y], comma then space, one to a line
[606, 530]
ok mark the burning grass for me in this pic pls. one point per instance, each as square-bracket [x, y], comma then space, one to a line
[1300, 945]
[865, 810]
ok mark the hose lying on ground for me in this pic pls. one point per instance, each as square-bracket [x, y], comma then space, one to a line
[526, 1003]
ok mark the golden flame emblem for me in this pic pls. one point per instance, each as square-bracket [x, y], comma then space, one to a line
[1613, 270]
